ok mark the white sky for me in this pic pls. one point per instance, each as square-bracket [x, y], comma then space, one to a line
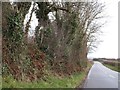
[109, 47]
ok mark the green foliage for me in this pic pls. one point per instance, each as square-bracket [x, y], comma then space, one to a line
[43, 11]
[73, 22]
[48, 32]
[23, 7]
[60, 40]
[15, 32]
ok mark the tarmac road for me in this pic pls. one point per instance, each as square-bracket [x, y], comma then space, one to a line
[100, 76]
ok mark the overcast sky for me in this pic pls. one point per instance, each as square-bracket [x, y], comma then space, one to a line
[109, 47]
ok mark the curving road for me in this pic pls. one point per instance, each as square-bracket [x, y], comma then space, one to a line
[101, 77]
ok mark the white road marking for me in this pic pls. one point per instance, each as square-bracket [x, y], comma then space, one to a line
[90, 72]
[111, 76]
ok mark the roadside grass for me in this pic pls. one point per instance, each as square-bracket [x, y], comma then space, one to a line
[115, 68]
[52, 81]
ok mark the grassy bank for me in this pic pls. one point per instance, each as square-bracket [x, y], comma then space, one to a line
[112, 64]
[51, 81]
[115, 68]
[0, 82]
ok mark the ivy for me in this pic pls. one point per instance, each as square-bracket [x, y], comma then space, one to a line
[14, 32]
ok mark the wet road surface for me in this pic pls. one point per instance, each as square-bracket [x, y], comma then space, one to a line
[100, 76]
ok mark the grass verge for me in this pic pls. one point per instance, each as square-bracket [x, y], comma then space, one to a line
[52, 81]
[115, 68]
